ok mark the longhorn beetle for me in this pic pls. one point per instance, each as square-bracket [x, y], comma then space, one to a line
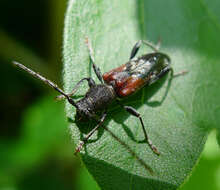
[115, 85]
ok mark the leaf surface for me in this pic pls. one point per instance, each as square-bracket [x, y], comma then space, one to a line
[179, 125]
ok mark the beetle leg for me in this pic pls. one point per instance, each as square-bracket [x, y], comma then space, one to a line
[138, 45]
[79, 147]
[163, 72]
[135, 49]
[91, 56]
[90, 81]
[134, 112]
[155, 48]
[180, 73]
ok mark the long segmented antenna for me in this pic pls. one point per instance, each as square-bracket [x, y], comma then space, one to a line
[46, 81]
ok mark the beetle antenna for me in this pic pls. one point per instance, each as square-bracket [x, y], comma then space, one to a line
[46, 81]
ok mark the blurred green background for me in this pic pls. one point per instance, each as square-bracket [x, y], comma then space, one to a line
[35, 146]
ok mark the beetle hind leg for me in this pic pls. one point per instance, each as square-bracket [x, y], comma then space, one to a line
[164, 71]
[180, 73]
[145, 42]
[161, 74]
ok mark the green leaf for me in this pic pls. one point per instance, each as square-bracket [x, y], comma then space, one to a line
[85, 181]
[179, 125]
[207, 172]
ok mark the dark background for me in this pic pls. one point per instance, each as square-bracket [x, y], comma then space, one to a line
[35, 148]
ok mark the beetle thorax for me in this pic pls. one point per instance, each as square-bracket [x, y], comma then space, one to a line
[97, 99]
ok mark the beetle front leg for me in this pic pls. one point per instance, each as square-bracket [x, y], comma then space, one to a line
[79, 147]
[90, 81]
[134, 112]
[91, 56]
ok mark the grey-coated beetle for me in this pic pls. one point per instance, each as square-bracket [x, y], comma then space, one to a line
[115, 85]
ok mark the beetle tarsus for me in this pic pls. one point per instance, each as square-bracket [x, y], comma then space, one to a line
[180, 73]
[79, 147]
[153, 148]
